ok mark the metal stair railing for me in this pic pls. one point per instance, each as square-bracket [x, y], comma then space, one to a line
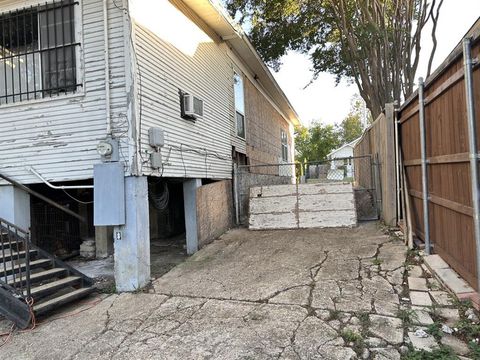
[17, 241]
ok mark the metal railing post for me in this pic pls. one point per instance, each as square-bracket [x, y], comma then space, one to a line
[423, 148]
[27, 265]
[472, 137]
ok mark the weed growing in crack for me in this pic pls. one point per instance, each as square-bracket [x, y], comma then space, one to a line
[442, 353]
[462, 305]
[377, 261]
[407, 316]
[354, 339]
[432, 285]
[434, 311]
[351, 336]
[333, 315]
[109, 288]
[468, 330]
[365, 323]
[412, 258]
[364, 319]
[475, 348]
[435, 330]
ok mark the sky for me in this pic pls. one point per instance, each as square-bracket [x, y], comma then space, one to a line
[324, 101]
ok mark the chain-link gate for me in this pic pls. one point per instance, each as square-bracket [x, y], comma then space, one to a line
[361, 171]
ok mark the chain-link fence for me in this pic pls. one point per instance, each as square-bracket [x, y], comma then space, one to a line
[360, 171]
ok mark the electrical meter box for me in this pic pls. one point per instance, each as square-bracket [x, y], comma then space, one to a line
[156, 137]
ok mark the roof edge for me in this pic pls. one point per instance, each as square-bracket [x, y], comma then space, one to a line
[232, 33]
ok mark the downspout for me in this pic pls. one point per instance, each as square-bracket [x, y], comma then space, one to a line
[107, 67]
[472, 140]
[424, 162]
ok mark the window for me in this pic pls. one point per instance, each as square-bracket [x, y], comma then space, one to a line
[284, 139]
[38, 52]
[239, 105]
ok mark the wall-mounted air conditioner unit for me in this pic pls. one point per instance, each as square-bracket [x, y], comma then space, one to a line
[192, 107]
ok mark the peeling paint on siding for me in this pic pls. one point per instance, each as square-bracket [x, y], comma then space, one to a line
[58, 136]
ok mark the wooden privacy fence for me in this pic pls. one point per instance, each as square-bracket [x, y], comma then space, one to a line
[378, 141]
[447, 167]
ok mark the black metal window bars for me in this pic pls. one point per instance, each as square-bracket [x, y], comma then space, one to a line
[38, 52]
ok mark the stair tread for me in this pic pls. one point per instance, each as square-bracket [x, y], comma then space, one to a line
[21, 253]
[41, 274]
[63, 299]
[38, 262]
[54, 284]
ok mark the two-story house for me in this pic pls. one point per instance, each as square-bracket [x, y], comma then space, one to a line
[118, 111]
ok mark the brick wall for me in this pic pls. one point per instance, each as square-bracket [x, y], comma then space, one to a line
[263, 125]
[214, 211]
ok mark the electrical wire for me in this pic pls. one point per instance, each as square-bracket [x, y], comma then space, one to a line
[77, 200]
[160, 201]
[36, 324]
[137, 67]
[183, 161]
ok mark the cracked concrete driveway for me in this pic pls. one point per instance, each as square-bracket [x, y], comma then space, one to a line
[297, 294]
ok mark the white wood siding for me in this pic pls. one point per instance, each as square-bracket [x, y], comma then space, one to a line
[58, 137]
[208, 74]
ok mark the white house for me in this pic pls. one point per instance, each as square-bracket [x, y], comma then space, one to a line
[344, 154]
[105, 104]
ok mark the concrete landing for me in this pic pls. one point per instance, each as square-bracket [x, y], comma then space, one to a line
[302, 206]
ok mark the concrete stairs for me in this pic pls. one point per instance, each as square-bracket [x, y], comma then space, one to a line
[30, 275]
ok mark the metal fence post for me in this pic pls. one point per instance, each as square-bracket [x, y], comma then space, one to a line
[472, 137]
[423, 148]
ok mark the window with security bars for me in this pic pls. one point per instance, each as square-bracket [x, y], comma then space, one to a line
[38, 52]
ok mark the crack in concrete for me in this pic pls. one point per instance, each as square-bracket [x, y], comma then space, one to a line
[293, 338]
[103, 331]
[150, 313]
[276, 293]
[318, 266]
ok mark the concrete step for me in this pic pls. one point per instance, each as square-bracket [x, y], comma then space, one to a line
[34, 264]
[54, 286]
[39, 276]
[61, 300]
[15, 255]
[7, 245]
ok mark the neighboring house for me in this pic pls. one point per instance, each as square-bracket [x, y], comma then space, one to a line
[187, 95]
[344, 154]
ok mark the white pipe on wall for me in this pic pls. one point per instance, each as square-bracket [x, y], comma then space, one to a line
[62, 187]
[107, 67]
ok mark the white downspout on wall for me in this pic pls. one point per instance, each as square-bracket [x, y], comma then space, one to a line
[107, 67]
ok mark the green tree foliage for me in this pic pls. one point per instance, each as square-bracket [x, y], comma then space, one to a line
[353, 125]
[373, 43]
[315, 142]
[351, 128]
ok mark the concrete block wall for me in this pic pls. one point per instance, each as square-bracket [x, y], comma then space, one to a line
[302, 206]
[214, 211]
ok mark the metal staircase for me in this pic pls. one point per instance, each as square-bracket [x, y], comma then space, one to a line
[32, 281]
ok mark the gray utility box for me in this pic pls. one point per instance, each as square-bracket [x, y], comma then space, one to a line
[156, 137]
[109, 194]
